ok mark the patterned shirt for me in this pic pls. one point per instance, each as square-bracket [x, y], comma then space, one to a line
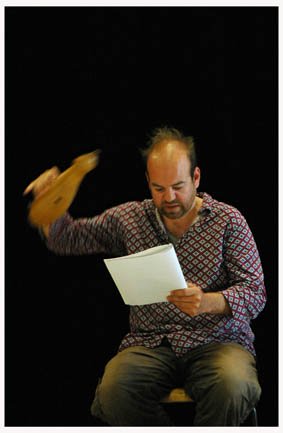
[218, 253]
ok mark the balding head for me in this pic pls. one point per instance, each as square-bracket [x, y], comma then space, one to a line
[166, 153]
[169, 143]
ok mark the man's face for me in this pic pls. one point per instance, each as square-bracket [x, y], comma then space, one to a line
[172, 188]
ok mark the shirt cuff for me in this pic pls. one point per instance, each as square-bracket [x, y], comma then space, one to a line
[236, 303]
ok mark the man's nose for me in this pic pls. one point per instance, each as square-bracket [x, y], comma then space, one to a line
[169, 195]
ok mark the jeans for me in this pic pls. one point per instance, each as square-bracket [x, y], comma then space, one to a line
[221, 379]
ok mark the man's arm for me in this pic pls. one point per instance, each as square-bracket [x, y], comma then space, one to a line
[244, 296]
[66, 236]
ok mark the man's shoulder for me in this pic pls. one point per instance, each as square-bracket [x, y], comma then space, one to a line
[223, 209]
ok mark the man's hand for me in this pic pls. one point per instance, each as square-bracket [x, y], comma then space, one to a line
[43, 182]
[193, 301]
[40, 185]
[188, 300]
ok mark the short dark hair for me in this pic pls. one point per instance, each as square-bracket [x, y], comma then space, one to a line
[166, 133]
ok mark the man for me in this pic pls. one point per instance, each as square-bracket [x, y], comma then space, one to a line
[201, 338]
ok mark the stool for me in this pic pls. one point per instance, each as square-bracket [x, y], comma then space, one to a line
[179, 395]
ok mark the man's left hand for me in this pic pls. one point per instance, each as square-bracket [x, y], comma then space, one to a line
[188, 300]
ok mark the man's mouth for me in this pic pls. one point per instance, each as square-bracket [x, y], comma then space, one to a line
[171, 205]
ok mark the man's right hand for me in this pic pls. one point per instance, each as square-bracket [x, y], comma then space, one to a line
[40, 185]
[43, 182]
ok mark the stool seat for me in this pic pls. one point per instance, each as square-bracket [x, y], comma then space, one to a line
[177, 395]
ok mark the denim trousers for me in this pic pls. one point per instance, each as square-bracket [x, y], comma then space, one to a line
[220, 377]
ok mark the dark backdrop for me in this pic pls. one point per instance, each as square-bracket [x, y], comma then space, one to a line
[80, 78]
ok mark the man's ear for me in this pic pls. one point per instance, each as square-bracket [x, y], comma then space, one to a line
[197, 177]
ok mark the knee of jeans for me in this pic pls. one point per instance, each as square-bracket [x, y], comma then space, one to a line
[107, 393]
[113, 394]
[237, 385]
[109, 403]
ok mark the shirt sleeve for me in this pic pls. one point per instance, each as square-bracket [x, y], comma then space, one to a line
[99, 234]
[246, 293]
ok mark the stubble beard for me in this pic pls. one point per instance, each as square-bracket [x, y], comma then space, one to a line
[176, 214]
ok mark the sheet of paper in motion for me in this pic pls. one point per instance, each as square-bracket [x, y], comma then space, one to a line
[148, 276]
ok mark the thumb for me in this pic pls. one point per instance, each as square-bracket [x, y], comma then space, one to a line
[29, 188]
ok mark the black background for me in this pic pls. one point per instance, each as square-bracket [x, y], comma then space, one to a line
[80, 78]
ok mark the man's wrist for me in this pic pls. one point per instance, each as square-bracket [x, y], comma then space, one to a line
[44, 231]
[215, 303]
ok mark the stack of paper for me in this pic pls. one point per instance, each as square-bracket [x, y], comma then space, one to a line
[148, 276]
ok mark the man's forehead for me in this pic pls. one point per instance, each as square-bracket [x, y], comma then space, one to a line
[169, 172]
[174, 160]
[167, 147]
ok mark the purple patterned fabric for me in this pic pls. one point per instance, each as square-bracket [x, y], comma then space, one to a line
[218, 253]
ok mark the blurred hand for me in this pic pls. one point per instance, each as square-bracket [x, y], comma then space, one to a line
[43, 182]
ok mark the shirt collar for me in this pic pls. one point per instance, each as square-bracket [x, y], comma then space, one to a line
[159, 220]
[207, 202]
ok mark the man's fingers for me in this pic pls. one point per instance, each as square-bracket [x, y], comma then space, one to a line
[29, 188]
[183, 292]
[42, 181]
[37, 180]
[181, 299]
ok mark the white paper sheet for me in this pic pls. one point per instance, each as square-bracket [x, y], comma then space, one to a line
[148, 276]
